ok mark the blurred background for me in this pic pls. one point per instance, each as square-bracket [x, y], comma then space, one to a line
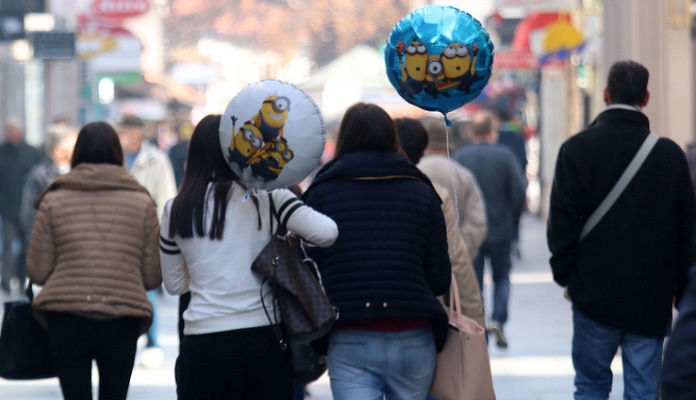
[173, 61]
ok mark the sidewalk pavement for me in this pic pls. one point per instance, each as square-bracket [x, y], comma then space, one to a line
[535, 366]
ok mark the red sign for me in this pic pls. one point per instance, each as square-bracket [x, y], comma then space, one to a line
[514, 60]
[119, 9]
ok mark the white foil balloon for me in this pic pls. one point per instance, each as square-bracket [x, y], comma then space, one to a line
[272, 134]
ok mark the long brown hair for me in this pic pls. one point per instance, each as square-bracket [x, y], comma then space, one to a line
[366, 127]
[97, 143]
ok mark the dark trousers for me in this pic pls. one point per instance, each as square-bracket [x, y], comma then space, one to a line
[75, 341]
[501, 264]
[241, 364]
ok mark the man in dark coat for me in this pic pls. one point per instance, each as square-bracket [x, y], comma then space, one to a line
[624, 276]
[16, 159]
[510, 135]
[503, 187]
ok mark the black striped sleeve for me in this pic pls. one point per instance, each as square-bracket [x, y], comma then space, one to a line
[168, 246]
[287, 209]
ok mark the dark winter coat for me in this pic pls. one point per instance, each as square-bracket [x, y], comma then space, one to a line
[38, 179]
[502, 184]
[16, 160]
[628, 270]
[390, 260]
[679, 367]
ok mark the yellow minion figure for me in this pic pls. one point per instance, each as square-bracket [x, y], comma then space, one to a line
[413, 68]
[459, 65]
[272, 116]
[435, 75]
[269, 162]
[244, 144]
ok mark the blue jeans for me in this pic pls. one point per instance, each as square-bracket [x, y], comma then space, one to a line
[152, 333]
[501, 264]
[370, 365]
[594, 348]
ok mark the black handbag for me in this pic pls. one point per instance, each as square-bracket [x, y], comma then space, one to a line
[24, 348]
[306, 310]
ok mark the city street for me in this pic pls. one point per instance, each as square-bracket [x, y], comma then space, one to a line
[536, 366]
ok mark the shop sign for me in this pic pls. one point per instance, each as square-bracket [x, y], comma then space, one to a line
[119, 9]
[537, 5]
[23, 6]
[514, 60]
[53, 45]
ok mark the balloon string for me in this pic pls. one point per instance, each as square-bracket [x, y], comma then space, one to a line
[448, 125]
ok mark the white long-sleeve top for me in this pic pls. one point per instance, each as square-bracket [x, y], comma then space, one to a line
[225, 293]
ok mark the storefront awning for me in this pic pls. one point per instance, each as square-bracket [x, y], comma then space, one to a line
[547, 35]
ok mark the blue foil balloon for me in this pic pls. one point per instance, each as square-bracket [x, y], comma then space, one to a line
[439, 58]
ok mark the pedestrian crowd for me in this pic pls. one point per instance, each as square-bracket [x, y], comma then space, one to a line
[103, 220]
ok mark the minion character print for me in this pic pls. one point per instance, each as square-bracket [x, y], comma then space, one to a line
[437, 74]
[272, 135]
[269, 162]
[439, 58]
[413, 67]
[259, 143]
[458, 65]
[244, 144]
[272, 117]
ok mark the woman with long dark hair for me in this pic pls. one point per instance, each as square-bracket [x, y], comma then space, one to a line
[386, 268]
[211, 233]
[94, 249]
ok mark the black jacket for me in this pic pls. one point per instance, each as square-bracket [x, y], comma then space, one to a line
[628, 270]
[16, 160]
[679, 367]
[390, 260]
[37, 180]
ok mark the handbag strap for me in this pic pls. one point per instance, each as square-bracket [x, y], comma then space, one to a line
[271, 212]
[621, 184]
[275, 326]
[454, 303]
[29, 292]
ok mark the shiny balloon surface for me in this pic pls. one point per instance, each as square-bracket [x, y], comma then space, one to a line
[439, 58]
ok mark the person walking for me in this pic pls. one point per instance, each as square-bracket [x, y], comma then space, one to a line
[152, 168]
[58, 149]
[503, 188]
[179, 151]
[624, 275]
[511, 135]
[17, 158]
[387, 267]
[211, 232]
[94, 249]
[414, 140]
[459, 182]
